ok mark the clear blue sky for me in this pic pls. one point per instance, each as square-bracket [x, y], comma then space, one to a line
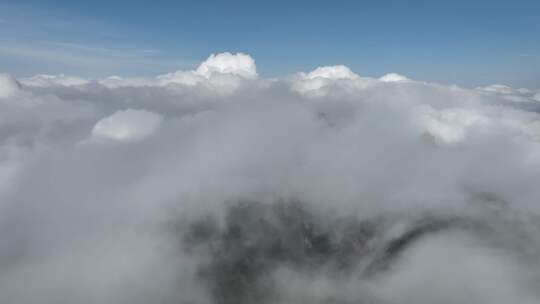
[464, 42]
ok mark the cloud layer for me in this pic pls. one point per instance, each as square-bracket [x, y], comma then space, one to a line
[220, 186]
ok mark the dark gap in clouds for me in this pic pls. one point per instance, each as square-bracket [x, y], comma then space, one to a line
[238, 257]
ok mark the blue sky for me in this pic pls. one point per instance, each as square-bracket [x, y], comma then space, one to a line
[468, 43]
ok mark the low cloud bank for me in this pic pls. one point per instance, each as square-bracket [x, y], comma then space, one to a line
[220, 186]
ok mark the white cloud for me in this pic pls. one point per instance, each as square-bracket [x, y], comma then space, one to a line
[497, 88]
[49, 80]
[100, 178]
[450, 125]
[220, 73]
[332, 72]
[393, 77]
[317, 81]
[8, 86]
[127, 125]
[118, 81]
[223, 73]
[508, 93]
[476, 275]
[226, 63]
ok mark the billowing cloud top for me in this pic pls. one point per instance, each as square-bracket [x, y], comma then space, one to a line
[216, 185]
[127, 125]
[315, 81]
[393, 77]
[332, 72]
[227, 63]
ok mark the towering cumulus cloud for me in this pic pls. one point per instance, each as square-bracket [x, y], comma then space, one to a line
[226, 63]
[220, 186]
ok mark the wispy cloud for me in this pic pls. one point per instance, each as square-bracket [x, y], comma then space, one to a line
[95, 60]
[531, 54]
[56, 42]
[100, 49]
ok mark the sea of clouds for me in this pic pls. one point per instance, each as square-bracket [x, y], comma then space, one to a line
[217, 185]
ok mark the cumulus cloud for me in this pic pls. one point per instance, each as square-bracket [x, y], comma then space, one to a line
[220, 73]
[216, 185]
[316, 81]
[450, 125]
[127, 125]
[226, 63]
[332, 72]
[393, 77]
